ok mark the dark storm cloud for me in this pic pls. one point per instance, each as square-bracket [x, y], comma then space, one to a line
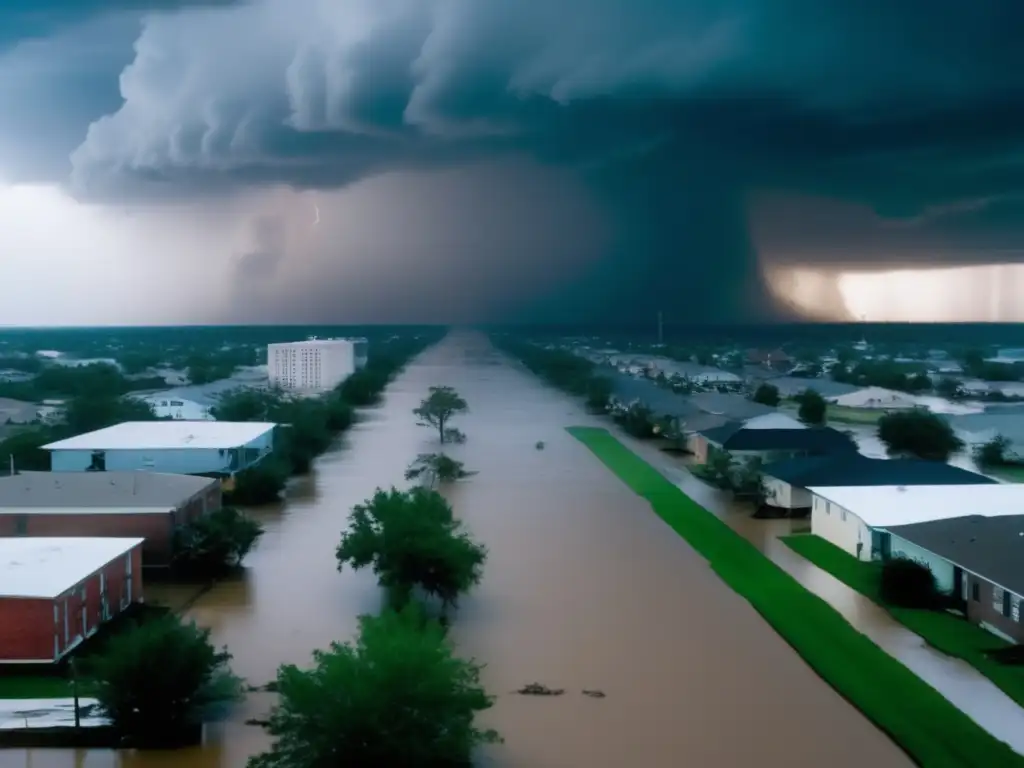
[677, 112]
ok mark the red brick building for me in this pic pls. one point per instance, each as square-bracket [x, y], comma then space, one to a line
[149, 505]
[56, 592]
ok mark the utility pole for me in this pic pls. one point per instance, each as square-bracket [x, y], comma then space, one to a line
[661, 329]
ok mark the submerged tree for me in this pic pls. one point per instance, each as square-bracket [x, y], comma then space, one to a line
[813, 408]
[215, 543]
[436, 468]
[411, 539]
[160, 677]
[992, 453]
[438, 408]
[918, 433]
[767, 394]
[397, 696]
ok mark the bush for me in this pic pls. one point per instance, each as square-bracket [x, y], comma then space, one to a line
[397, 696]
[156, 679]
[411, 540]
[908, 584]
[215, 543]
[637, 420]
[260, 484]
[813, 408]
[436, 468]
[767, 394]
[918, 433]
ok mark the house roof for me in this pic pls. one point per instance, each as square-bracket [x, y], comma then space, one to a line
[990, 547]
[817, 440]
[48, 567]
[664, 402]
[734, 407]
[165, 435]
[794, 385]
[853, 469]
[885, 506]
[54, 491]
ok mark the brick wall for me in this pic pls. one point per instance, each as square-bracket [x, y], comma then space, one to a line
[26, 629]
[156, 529]
[988, 608]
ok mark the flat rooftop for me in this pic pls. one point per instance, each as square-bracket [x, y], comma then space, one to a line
[99, 491]
[48, 567]
[884, 506]
[165, 435]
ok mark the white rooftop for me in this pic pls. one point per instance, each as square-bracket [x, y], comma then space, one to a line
[162, 435]
[883, 506]
[48, 567]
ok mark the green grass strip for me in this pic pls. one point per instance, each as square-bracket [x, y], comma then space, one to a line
[948, 633]
[916, 716]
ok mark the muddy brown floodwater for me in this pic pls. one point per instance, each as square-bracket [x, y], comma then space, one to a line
[585, 588]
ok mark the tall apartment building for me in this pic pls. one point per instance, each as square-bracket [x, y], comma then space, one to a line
[314, 365]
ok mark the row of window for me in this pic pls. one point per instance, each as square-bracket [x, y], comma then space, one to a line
[828, 508]
[1007, 603]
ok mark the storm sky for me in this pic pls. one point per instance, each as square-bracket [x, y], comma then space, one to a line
[501, 160]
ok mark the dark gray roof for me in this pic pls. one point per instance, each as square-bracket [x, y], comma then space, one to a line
[816, 440]
[662, 401]
[793, 385]
[857, 469]
[99, 489]
[733, 407]
[990, 547]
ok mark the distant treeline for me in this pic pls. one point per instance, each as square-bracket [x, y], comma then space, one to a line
[560, 368]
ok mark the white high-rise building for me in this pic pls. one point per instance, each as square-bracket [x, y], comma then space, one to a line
[314, 365]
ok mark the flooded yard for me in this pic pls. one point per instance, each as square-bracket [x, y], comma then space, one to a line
[585, 588]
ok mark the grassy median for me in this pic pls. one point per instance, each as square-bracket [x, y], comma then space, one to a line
[948, 633]
[931, 729]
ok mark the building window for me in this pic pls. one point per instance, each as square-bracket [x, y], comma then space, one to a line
[976, 592]
[997, 598]
[842, 514]
[1015, 607]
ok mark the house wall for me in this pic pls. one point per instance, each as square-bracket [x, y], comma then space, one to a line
[182, 461]
[698, 446]
[156, 528]
[786, 496]
[45, 630]
[26, 630]
[840, 527]
[941, 568]
[987, 610]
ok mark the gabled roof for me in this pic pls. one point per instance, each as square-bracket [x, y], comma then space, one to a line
[135, 490]
[817, 440]
[854, 469]
[990, 547]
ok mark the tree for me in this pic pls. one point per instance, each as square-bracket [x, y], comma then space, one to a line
[435, 468]
[599, 393]
[396, 696]
[918, 433]
[992, 453]
[638, 420]
[767, 394]
[411, 539]
[813, 408]
[439, 407]
[158, 678]
[949, 388]
[89, 413]
[215, 543]
[261, 483]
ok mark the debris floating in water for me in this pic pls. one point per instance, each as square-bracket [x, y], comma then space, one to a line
[594, 693]
[536, 689]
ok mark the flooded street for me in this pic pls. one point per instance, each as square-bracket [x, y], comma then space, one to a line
[585, 588]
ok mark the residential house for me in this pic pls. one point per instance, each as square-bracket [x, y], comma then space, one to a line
[791, 386]
[769, 439]
[978, 559]
[976, 429]
[150, 505]
[857, 519]
[704, 375]
[775, 359]
[56, 592]
[177, 408]
[216, 448]
[874, 397]
[787, 482]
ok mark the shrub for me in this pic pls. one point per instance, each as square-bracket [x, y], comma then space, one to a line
[908, 584]
[260, 484]
[215, 543]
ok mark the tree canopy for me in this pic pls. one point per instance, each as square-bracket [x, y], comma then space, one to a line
[813, 408]
[397, 696]
[411, 540]
[436, 468]
[214, 543]
[767, 394]
[437, 409]
[160, 676]
[918, 433]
